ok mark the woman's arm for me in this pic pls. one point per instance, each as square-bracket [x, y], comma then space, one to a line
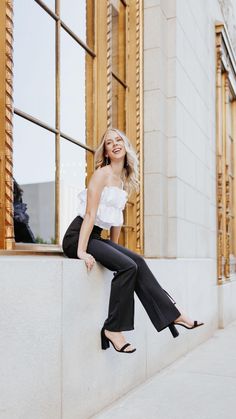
[95, 187]
[115, 233]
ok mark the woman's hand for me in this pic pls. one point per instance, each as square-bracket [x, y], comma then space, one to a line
[89, 259]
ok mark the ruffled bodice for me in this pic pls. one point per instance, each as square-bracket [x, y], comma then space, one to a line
[110, 208]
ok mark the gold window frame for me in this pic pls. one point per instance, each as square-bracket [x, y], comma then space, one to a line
[225, 154]
[98, 98]
[132, 230]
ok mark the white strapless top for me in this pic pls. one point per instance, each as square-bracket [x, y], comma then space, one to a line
[110, 208]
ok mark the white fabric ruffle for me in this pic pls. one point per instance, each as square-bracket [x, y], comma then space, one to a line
[110, 208]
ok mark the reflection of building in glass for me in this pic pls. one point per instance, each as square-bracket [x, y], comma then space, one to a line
[40, 198]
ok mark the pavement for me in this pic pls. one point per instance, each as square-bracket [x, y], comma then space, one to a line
[199, 385]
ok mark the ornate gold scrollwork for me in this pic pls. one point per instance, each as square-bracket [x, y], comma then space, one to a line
[225, 142]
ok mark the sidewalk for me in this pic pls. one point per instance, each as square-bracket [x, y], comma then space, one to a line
[200, 385]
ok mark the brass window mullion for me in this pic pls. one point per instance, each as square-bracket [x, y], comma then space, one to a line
[47, 9]
[51, 129]
[77, 39]
[119, 80]
[34, 120]
[57, 18]
[57, 122]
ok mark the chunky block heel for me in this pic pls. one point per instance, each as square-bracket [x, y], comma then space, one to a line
[173, 330]
[104, 341]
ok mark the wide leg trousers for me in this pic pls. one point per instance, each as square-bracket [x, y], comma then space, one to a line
[130, 274]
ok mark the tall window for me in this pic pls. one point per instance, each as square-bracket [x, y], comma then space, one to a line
[52, 76]
[226, 154]
[77, 71]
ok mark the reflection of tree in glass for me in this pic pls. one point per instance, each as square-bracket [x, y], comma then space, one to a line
[39, 239]
[22, 229]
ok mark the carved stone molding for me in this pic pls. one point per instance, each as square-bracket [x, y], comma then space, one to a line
[139, 124]
[6, 141]
[109, 64]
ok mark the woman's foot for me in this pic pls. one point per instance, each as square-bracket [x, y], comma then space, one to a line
[118, 340]
[184, 319]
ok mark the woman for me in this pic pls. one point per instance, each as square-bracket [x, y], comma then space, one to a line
[101, 207]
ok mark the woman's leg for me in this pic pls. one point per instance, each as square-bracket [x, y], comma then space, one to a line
[121, 303]
[158, 304]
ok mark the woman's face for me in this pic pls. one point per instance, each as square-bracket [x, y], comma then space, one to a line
[114, 146]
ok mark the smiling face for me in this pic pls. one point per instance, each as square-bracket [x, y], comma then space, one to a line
[114, 146]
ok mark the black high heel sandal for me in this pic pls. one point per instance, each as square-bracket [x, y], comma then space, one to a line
[105, 341]
[196, 324]
[173, 330]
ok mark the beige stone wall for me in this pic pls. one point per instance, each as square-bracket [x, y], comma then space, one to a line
[158, 103]
[228, 9]
[179, 126]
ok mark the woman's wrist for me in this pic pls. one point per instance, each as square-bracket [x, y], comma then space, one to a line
[81, 252]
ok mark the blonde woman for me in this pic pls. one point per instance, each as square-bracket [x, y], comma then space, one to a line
[101, 207]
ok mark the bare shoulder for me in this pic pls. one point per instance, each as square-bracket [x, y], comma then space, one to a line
[98, 178]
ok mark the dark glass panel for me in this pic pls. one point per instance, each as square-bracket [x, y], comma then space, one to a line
[34, 171]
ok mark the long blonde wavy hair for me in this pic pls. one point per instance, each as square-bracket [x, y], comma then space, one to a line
[130, 175]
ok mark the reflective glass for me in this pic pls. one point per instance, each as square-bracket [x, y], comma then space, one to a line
[73, 89]
[34, 172]
[34, 61]
[73, 14]
[50, 4]
[72, 181]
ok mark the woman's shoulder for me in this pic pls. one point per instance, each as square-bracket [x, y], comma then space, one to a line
[101, 175]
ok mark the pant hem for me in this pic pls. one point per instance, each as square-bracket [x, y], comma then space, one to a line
[123, 329]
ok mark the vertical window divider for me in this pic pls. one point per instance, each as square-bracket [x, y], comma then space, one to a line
[58, 128]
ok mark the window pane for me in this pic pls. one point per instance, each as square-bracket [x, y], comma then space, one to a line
[50, 4]
[34, 61]
[72, 178]
[73, 78]
[73, 14]
[118, 105]
[34, 171]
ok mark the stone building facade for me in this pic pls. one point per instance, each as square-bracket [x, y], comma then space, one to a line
[176, 82]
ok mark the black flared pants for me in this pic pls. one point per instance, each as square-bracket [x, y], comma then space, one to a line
[131, 274]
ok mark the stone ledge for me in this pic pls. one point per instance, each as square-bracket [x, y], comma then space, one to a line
[51, 312]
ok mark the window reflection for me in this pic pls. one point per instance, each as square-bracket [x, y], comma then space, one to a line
[72, 88]
[34, 62]
[73, 14]
[72, 181]
[34, 172]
